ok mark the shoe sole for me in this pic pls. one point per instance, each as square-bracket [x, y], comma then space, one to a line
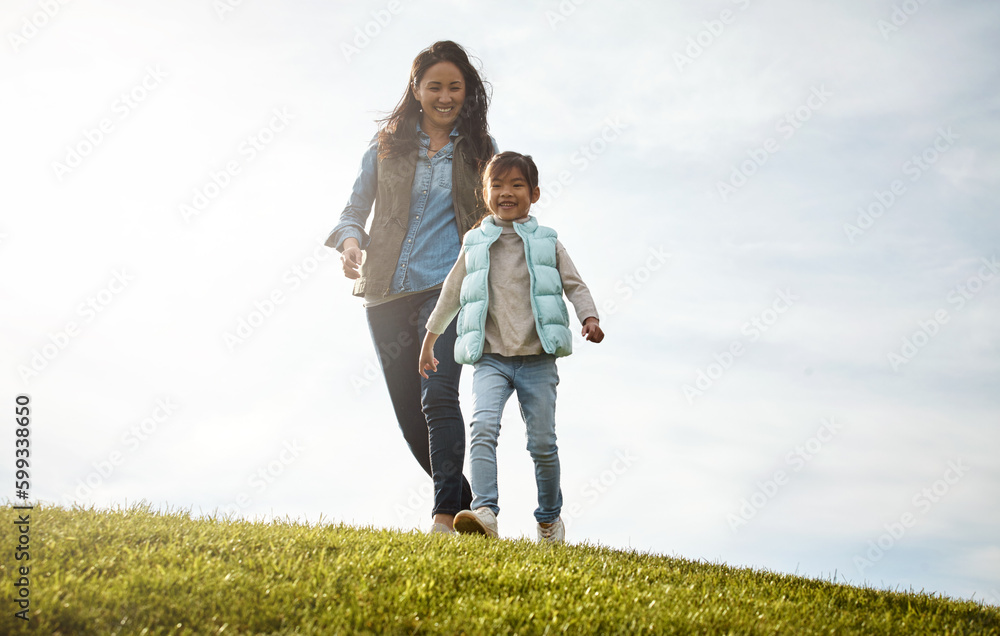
[469, 523]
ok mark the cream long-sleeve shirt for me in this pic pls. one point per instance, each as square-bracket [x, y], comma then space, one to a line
[510, 323]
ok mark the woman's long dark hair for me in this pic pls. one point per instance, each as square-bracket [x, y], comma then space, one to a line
[398, 133]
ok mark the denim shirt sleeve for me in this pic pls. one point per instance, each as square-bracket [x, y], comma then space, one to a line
[359, 206]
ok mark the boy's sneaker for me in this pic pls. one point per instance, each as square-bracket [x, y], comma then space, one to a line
[554, 532]
[482, 521]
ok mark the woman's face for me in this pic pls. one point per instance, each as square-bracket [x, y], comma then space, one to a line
[441, 93]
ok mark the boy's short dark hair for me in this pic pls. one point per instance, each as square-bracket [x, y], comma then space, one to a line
[502, 163]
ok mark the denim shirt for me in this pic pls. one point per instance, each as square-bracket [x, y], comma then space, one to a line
[432, 243]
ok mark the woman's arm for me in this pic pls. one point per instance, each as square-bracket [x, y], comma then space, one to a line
[355, 215]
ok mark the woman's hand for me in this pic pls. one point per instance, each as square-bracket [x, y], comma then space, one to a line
[350, 258]
[592, 330]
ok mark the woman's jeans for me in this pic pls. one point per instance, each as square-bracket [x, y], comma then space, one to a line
[534, 378]
[427, 410]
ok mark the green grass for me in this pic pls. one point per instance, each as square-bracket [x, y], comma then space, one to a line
[135, 570]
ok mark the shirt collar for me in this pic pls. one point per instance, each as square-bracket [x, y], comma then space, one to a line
[420, 131]
[508, 224]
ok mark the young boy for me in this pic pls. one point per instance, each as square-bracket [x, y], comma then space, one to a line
[507, 288]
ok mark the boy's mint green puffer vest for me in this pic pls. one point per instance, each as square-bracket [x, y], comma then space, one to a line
[551, 316]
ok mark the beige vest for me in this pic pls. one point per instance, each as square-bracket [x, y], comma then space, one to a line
[392, 213]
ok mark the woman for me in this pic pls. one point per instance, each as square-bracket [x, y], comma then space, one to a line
[422, 172]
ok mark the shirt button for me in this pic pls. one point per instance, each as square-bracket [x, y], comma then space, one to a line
[425, 191]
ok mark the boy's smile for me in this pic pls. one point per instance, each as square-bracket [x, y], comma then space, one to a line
[510, 196]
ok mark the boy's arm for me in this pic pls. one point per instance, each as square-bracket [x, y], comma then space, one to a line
[578, 293]
[448, 304]
[450, 300]
[427, 359]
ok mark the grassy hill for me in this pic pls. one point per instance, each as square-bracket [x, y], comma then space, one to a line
[137, 571]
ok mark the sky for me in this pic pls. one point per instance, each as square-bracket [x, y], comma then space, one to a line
[785, 211]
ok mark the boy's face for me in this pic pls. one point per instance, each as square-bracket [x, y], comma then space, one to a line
[510, 197]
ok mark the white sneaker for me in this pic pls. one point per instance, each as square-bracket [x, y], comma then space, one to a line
[482, 521]
[555, 532]
[440, 528]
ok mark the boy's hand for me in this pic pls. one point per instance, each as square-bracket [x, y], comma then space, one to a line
[592, 330]
[427, 359]
[426, 364]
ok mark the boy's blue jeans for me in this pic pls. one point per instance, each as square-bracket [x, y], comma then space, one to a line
[534, 378]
